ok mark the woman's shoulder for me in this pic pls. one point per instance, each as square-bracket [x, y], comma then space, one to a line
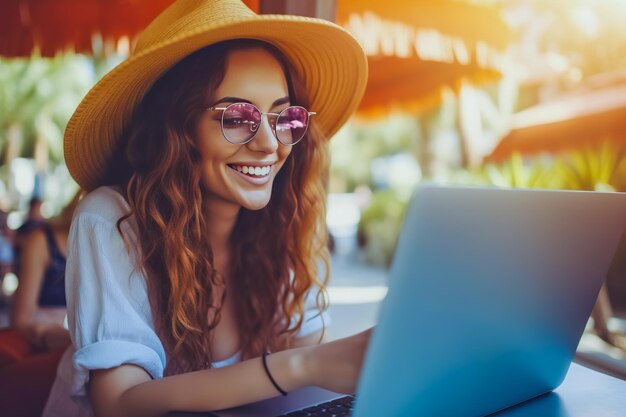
[106, 203]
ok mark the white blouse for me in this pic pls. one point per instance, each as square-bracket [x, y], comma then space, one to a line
[109, 315]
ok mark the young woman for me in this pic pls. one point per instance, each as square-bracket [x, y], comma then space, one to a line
[197, 263]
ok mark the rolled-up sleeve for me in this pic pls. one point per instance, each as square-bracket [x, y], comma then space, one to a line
[109, 314]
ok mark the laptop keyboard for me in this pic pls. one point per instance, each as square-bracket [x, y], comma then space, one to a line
[339, 407]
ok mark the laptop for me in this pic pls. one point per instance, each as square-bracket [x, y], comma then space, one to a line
[490, 290]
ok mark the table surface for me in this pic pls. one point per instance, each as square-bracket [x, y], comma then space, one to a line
[584, 393]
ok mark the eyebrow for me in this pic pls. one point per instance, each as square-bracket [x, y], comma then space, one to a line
[243, 100]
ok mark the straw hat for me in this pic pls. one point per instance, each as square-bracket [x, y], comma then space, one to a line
[330, 61]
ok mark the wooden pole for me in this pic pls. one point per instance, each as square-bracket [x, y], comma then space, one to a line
[323, 9]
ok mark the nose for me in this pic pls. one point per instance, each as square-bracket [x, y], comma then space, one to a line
[264, 140]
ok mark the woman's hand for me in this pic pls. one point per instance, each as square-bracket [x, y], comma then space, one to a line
[336, 365]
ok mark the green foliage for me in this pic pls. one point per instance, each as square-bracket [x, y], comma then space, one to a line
[592, 169]
[513, 173]
[601, 169]
[380, 225]
[355, 146]
[37, 97]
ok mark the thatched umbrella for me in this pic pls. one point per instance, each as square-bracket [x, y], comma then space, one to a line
[417, 47]
[52, 26]
[586, 117]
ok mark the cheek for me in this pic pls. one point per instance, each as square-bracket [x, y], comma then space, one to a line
[212, 144]
[284, 152]
[215, 153]
[214, 169]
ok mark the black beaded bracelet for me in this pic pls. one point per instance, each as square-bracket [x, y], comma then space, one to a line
[267, 371]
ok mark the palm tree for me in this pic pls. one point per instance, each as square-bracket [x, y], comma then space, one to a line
[37, 97]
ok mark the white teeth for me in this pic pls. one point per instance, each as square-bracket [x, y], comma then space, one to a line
[250, 170]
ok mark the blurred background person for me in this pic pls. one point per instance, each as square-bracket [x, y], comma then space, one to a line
[34, 219]
[38, 305]
[6, 250]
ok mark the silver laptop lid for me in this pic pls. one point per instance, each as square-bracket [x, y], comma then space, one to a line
[490, 290]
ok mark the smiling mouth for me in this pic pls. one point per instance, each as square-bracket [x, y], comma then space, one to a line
[251, 171]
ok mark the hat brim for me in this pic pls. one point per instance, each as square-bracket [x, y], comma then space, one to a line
[329, 60]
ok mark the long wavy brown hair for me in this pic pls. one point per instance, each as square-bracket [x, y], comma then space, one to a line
[279, 253]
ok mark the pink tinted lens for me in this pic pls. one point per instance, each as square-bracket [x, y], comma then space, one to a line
[240, 122]
[292, 124]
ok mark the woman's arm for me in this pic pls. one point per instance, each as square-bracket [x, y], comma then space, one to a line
[128, 390]
[33, 263]
[34, 259]
[312, 339]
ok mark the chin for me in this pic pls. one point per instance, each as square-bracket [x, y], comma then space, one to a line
[255, 206]
[258, 203]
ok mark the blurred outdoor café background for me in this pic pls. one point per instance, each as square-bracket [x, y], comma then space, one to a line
[506, 93]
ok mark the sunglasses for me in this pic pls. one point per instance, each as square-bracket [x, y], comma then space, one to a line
[241, 121]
